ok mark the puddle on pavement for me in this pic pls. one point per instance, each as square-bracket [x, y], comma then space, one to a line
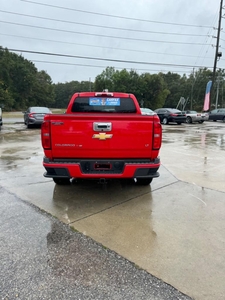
[82, 199]
[197, 139]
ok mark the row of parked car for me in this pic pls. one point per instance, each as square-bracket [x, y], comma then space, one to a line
[35, 115]
[172, 115]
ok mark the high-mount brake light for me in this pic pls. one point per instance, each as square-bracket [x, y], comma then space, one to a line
[104, 94]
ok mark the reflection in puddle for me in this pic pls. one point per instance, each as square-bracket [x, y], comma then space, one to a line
[82, 199]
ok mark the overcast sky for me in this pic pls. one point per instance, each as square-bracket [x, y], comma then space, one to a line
[84, 37]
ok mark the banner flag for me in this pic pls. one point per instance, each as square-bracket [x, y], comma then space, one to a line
[207, 96]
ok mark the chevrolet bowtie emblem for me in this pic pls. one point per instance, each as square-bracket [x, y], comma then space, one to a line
[102, 136]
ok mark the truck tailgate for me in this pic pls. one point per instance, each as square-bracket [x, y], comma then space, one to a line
[114, 136]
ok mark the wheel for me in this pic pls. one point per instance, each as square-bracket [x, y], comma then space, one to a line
[61, 181]
[200, 122]
[165, 121]
[189, 120]
[214, 120]
[223, 119]
[143, 181]
[179, 123]
[28, 125]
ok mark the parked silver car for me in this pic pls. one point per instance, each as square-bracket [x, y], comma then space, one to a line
[35, 115]
[194, 116]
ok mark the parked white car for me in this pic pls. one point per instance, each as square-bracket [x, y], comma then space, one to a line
[194, 116]
[147, 111]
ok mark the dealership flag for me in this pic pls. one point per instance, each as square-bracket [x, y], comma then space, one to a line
[207, 96]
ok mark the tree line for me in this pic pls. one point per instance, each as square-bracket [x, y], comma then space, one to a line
[22, 85]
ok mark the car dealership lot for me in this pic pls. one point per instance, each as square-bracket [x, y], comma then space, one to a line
[174, 229]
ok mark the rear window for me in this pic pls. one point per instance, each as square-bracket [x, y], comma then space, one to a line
[104, 104]
[39, 110]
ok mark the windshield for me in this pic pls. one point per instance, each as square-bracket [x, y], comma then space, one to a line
[104, 104]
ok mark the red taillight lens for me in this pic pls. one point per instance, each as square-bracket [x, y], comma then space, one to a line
[157, 133]
[31, 115]
[173, 115]
[45, 135]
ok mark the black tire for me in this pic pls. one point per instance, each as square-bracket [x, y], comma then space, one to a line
[214, 120]
[223, 119]
[61, 181]
[179, 123]
[200, 122]
[143, 181]
[189, 120]
[165, 121]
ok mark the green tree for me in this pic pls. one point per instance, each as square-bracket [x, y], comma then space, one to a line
[21, 84]
[105, 80]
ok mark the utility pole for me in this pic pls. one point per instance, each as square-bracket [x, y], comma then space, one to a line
[192, 87]
[217, 54]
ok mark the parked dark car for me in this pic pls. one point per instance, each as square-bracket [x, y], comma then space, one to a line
[217, 114]
[35, 115]
[0, 118]
[167, 115]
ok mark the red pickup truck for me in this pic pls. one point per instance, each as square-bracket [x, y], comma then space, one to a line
[102, 135]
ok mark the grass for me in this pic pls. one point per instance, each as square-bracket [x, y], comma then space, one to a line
[19, 114]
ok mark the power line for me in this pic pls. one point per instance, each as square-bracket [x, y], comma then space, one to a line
[101, 35]
[96, 46]
[103, 26]
[101, 59]
[114, 16]
[94, 66]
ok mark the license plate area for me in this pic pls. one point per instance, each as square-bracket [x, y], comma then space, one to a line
[102, 166]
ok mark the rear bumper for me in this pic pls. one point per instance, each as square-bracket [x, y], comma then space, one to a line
[96, 169]
[35, 121]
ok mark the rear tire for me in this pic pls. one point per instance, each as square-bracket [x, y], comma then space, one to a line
[165, 121]
[61, 181]
[223, 119]
[200, 122]
[143, 181]
[189, 120]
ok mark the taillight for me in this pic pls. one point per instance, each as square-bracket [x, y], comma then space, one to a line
[45, 135]
[173, 115]
[31, 115]
[157, 133]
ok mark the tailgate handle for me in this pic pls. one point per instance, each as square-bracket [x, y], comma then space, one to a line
[102, 126]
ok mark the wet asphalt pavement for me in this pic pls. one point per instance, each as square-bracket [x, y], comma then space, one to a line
[173, 229]
[42, 258]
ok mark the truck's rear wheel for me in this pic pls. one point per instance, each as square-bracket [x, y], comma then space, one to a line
[61, 181]
[143, 181]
